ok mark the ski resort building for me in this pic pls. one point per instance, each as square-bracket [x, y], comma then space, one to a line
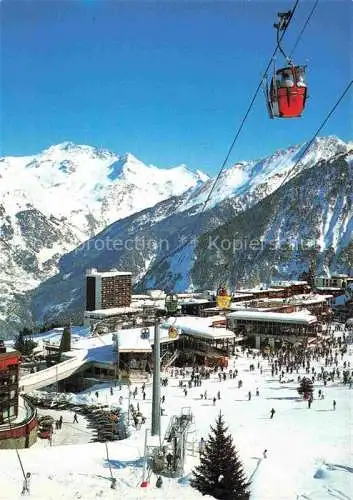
[270, 326]
[292, 287]
[106, 290]
[113, 315]
[335, 281]
[195, 307]
[260, 293]
[18, 421]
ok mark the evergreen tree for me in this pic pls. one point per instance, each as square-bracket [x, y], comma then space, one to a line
[220, 473]
[24, 345]
[306, 386]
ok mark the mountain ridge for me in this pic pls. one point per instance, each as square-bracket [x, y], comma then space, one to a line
[54, 269]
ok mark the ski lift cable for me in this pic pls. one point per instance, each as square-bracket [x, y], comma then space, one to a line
[249, 108]
[304, 28]
[279, 39]
[329, 114]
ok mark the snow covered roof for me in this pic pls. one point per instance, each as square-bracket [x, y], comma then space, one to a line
[109, 312]
[107, 274]
[200, 327]
[240, 295]
[296, 317]
[309, 299]
[100, 346]
[288, 283]
[328, 288]
[274, 302]
[260, 290]
[193, 301]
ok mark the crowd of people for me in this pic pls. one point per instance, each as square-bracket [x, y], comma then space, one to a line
[325, 363]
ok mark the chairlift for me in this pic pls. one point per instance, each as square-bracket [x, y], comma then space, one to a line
[171, 303]
[223, 297]
[145, 333]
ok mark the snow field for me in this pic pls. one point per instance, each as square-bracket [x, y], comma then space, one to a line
[310, 453]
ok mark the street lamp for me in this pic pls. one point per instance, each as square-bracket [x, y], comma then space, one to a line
[117, 364]
[156, 394]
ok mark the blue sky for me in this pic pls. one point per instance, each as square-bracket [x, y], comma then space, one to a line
[168, 81]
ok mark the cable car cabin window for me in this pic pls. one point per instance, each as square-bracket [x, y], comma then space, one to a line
[300, 77]
[285, 78]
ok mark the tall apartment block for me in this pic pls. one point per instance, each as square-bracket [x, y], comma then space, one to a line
[106, 290]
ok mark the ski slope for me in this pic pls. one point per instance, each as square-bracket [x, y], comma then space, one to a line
[310, 453]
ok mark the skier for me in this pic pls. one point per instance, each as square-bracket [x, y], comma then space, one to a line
[75, 419]
[214, 401]
[273, 411]
[159, 482]
[113, 485]
[111, 391]
[265, 454]
[169, 458]
[334, 404]
[257, 391]
[249, 395]
[219, 394]
[26, 484]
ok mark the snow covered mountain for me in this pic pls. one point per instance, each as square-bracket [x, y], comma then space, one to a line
[250, 181]
[53, 201]
[166, 247]
[308, 219]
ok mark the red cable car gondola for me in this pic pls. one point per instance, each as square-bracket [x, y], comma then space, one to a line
[287, 93]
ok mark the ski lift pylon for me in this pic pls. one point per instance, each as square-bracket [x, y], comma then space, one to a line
[171, 303]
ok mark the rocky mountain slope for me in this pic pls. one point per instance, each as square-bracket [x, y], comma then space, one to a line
[310, 218]
[165, 245]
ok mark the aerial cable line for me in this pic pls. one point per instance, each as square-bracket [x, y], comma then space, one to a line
[329, 114]
[215, 182]
[327, 117]
[250, 107]
[282, 28]
[235, 272]
[303, 28]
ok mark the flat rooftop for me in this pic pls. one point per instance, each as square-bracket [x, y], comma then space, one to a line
[294, 318]
[193, 302]
[106, 274]
[259, 290]
[111, 311]
[200, 327]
